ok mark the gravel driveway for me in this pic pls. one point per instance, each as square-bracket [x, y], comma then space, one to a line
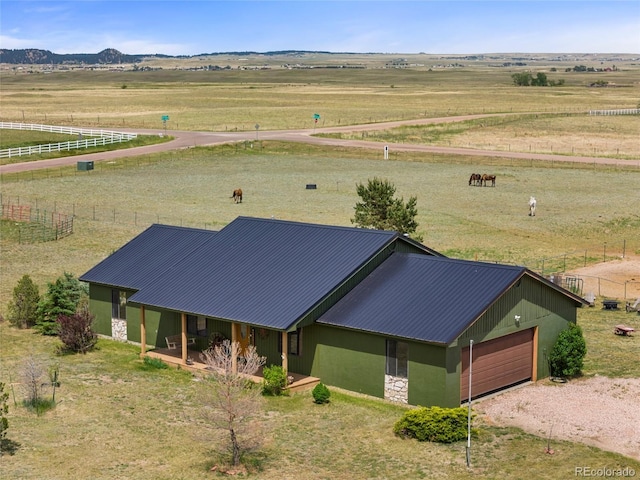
[599, 411]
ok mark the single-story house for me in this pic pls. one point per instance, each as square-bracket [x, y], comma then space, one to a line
[369, 311]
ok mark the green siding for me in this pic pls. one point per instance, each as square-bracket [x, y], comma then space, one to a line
[266, 342]
[427, 374]
[347, 359]
[100, 307]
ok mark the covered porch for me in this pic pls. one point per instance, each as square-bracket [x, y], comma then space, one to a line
[195, 365]
[187, 355]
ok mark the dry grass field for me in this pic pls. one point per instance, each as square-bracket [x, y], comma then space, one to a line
[117, 419]
[117, 200]
[280, 98]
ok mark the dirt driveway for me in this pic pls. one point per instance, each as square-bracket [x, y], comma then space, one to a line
[608, 279]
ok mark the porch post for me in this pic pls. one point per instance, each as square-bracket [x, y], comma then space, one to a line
[184, 337]
[143, 332]
[234, 338]
[285, 352]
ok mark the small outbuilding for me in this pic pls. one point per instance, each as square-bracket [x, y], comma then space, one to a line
[366, 310]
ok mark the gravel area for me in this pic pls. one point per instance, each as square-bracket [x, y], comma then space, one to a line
[598, 411]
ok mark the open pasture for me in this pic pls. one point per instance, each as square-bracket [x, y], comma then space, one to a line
[575, 134]
[577, 207]
[274, 99]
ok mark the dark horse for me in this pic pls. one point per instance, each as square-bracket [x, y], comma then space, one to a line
[237, 195]
[475, 179]
[488, 178]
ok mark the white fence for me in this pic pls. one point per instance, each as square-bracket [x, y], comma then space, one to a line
[98, 138]
[622, 111]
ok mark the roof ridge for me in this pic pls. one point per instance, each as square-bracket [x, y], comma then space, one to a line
[317, 225]
[181, 227]
[464, 260]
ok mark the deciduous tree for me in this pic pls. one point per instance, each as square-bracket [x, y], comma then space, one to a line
[231, 401]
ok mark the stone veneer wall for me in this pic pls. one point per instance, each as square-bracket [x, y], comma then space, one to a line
[396, 389]
[119, 329]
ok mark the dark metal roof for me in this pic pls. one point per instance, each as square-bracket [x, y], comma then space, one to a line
[421, 297]
[146, 256]
[263, 272]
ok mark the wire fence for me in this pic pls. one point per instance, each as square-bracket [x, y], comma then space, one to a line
[33, 225]
[43, 224]
[98, 213]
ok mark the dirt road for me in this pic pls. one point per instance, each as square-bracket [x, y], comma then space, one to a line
[184, 139]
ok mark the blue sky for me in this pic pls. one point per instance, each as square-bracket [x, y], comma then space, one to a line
[190, 27]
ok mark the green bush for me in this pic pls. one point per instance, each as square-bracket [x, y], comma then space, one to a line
[321, 393]
[568, 353]
[434, 424]
[152, 362]
[275, 380]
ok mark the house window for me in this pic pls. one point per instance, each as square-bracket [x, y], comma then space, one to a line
[397, 358]
[197, 325]
[118, 304]
[294, 342]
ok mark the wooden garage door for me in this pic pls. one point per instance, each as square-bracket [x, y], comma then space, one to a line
[497, 364]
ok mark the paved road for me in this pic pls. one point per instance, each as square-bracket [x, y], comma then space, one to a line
[183, 139]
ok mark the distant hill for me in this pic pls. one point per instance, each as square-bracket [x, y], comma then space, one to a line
[111, 56]
[31, 56]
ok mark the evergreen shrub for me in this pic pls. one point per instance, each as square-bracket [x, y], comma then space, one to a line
[568, 353]
[434, 424]
[321, 393]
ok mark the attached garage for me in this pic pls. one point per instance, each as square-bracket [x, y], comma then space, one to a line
[498, 363]
[367, 310]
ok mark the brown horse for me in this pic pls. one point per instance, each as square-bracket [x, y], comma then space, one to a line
[488, 178]
[237, 195]
[475, 179]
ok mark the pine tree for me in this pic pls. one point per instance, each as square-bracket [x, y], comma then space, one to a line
[380, 210]
[62, 298]
[22, 310]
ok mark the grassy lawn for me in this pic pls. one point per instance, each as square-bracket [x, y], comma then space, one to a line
[116, 418]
